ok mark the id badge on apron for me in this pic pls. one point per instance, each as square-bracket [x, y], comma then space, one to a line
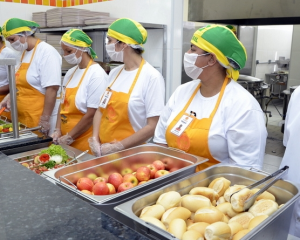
[105, 99]
[181, 125]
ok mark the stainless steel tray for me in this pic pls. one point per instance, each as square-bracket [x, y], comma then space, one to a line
[137, 156]
[275, 227]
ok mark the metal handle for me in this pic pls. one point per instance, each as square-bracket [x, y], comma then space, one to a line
[258, 170]
[75, 158]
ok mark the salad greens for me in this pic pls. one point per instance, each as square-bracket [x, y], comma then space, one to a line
[49, 164]
[56, 150]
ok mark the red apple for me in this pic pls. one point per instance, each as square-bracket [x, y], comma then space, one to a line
[85, 184]
[111, 188]
[115, 179]
[100, 179]
[100, 188]
[159, 165]
[168, 162]
[124, 186]
[160, 173]
[143, 174]
[174, 169]
[126, 171]
[142, 182]
[86, 192]
[153, 170]
[130, 178]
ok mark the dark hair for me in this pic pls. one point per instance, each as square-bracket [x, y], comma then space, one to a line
[137, 51]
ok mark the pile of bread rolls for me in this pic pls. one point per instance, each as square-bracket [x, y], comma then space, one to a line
[209, 213]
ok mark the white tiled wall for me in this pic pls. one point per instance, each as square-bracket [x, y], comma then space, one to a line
[272, 42]
[294, 73]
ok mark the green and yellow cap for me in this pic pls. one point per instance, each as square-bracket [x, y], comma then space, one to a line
[0, 31]
[221, 41]
[232, 28]
[78, 38]
[128, 31]
[16, 25]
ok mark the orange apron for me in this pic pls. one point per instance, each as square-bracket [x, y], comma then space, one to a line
[115, 124]
[30, 101]
[4, 114]
[70, 115]
[194, 139]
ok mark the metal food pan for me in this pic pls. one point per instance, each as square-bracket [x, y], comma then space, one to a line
[133, 158]
[274, 227]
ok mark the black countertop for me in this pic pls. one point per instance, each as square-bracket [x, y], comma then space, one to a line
[33, 208]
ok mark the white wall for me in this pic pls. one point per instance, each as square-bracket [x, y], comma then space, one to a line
[167, 12]
[272, 43]
[294, 73]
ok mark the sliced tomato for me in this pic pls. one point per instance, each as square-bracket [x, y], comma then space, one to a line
[5, 130]
[44, 157]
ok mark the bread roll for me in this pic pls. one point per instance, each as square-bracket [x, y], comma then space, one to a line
[264, 207]
[225, 219]
[256, 220]
[199, 227]
[238, 199]
[221, 200]
[240, 234]
[280, 206]
[192, 235]
[235, 227]
[155, 222]
[177, 227]
[153, 211]
[192, 216]
[220, 185]
[173, 213]
[217, 230]
[231, 190]
[189, 222]
[242, 218]
[194, 202]
[208, 214]
[226, 208]
[206, 192]
[169, 200]
[264, 195]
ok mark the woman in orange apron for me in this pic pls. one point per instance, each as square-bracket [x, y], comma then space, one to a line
[82, 87]
[213, 116]
[38, 77]
[4, 85]
[130, 107]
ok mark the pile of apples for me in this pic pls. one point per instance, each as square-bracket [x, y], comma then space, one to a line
[116, 182]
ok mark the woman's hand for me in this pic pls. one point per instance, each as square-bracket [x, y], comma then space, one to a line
[112, 147]
[56, 135]
[95, 146]
[66, 140]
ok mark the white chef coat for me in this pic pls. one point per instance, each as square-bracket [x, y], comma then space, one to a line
[5, 53]
[237, 135]
[291, 156]
[45, 71]
[148, 95]
[92, 86]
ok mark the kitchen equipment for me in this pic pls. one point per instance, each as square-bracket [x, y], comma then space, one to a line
[76, 158]
[133, 158]
[249, 202]
[274, 227]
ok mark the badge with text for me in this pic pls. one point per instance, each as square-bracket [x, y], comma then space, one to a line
[105, 99]
[181, 125]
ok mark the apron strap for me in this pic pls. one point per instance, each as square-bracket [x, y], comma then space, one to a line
[88, 66]
[219, 98]
[191, 98]
[2, 48]
[37, 42]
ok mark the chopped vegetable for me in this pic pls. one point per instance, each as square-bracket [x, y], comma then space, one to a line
[57, 158]
[44, 157]
[50, 164]
[56, 150]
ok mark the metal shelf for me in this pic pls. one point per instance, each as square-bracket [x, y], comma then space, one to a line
[103, 27]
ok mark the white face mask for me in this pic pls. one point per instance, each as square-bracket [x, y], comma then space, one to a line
[18, 46]
[72, 59]
[111, 51]
[189, 65]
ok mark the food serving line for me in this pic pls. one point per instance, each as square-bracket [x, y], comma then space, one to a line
[33, 207]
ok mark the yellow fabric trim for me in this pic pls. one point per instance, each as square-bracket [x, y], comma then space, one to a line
[77, 43]
[15, 31]
[121, 37]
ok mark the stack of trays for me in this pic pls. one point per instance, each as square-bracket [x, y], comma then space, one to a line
[99, 20]
[40, 18]
[54, 17]
[42, 36]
